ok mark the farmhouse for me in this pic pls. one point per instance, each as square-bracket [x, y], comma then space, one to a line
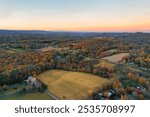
[33, 81]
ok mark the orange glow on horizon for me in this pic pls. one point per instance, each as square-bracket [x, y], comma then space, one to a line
[98, 26]
[85, 28]
[120, 26]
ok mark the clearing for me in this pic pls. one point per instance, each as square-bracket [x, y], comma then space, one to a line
[116, 57]
[105, 63]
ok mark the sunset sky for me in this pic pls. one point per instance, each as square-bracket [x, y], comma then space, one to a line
[76, 15]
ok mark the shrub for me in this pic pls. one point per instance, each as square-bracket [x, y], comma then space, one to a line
[140, 97]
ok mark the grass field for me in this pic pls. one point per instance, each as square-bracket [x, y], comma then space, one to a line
[105, 63]
[18, 49]
[116, 57]
[2, 51]
[71, 85]
[12, 50]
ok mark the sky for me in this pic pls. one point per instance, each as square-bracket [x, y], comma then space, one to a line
[76, 15]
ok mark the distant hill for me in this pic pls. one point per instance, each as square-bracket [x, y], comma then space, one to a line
[40, 34]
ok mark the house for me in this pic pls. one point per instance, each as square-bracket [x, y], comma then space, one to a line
[140, 88]
[110, 94]
[33, 81]
[100, 96]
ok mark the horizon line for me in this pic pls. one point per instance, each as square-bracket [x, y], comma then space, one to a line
[75, 31]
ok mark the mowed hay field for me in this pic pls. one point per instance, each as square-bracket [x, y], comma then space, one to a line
[71, 85]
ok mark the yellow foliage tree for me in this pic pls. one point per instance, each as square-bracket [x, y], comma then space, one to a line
[132, 76]
[142, 80]
[116, 84]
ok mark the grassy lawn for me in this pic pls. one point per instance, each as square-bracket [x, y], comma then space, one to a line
[18, 49]
[71, 85]
[11, 93]
[30, 96]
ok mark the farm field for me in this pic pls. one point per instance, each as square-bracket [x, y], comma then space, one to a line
[116, 57]
[71, 85]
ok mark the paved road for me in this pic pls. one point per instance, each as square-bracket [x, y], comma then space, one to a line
[52, 95]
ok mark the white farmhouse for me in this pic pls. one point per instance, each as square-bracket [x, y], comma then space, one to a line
[32, 81]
